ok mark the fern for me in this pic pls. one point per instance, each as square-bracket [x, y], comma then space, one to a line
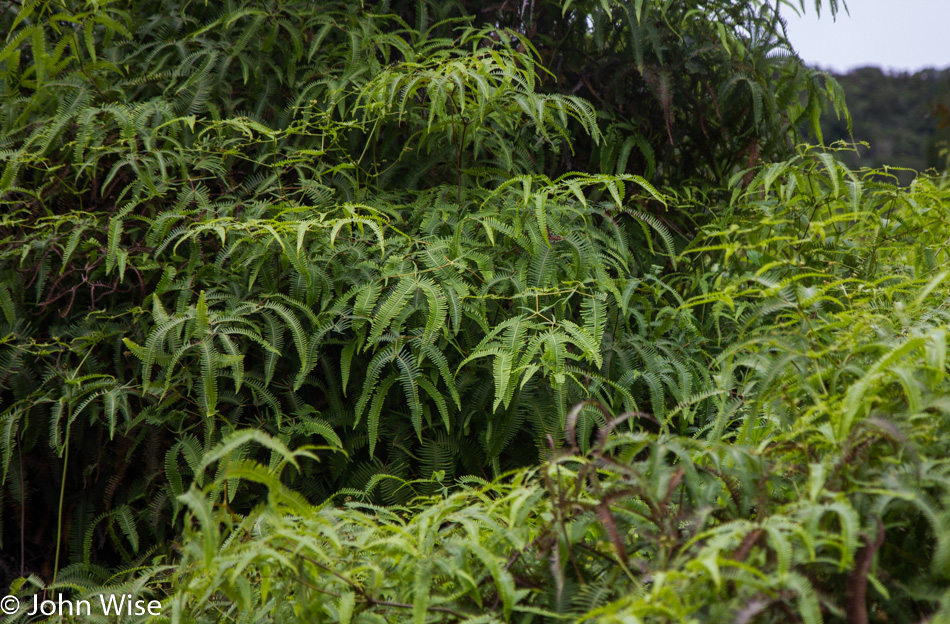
[393, 232]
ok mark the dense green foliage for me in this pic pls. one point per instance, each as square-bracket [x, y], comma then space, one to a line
[686, 90]
[259, 257]
[904, 119]
[807, 480]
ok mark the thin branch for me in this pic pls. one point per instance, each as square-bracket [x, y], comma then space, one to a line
[366, 598]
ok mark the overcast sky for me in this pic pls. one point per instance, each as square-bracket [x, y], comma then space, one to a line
[905, 35]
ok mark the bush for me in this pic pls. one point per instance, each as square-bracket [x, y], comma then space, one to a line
[232, 234]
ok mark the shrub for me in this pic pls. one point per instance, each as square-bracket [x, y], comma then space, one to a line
[368, 245]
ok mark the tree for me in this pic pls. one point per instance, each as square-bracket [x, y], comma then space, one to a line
[686, 91]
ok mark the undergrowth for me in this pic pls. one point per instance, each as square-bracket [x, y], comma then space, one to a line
[308, 315]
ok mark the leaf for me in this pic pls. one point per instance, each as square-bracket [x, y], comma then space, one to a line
[393, 305]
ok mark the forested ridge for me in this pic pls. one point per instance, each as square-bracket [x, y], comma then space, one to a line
[460, 312]
[903, 117]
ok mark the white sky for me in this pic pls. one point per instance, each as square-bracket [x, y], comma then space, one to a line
[905, 35]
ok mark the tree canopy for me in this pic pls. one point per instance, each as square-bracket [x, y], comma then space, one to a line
[903, 118]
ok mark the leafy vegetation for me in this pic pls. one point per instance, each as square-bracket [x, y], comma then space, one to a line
[373, 314]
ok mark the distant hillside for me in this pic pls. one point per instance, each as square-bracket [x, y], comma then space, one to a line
[903, 117]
